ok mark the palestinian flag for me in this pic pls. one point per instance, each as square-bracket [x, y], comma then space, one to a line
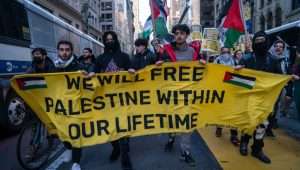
[239, 80]
[148, 28]
[232, 24]
[159, 14]
[29, 83]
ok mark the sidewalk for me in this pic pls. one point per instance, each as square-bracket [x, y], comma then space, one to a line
[290, 124]
[283, 150]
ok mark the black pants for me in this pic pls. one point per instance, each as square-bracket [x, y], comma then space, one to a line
[258, 142]
[272, 117]
[76, 152]
[233, 132]
[122, 145]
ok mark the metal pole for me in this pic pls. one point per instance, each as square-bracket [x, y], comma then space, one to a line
[152, 16]
[183, 14]
[243, 19]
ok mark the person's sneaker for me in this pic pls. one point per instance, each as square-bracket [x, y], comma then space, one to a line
[169, 146]
[126, 162]
[76, 166]
[114, 154]
[261, 156]
[187, 158]
[269, 133]
[243, 148]
[235, 141]
[68, 156]
[219, 132]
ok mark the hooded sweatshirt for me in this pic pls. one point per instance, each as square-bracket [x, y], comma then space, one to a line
[113, 59]
[260, 58]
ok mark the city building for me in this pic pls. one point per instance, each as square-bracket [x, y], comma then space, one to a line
[195, 13]
[138, 27]
[175, 12]
[272, 13]
[116, 16]
[67, 10]
[206, 8]
[96, 16]
[82, 14]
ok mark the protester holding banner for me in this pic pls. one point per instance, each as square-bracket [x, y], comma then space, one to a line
[237, 56]
[296, 71]
[278, 52]
[88, 60]
[180, 51]
[262, 60]
[114, 60]
[227, 59]
[143, 56]
[41, 63]
[67, 62]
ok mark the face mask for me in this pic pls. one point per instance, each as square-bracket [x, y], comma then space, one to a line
[37, 60]
[260, 48]
[110, 45]
[226, 56]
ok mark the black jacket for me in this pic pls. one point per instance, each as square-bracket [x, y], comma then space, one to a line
[140, 61]
[120, 58]
[49, 67]
[262, 63]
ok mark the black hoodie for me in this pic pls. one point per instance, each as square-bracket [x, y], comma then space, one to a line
[140, 61]
[120, 58]
[260, 58]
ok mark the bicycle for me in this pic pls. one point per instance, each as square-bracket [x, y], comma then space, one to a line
[34, 146]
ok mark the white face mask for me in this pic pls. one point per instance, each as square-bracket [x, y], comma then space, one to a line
[226, 56]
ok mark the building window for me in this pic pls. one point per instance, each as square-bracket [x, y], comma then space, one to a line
[106, 6]
[45, 8]
[270, 20]
[107, 28]
[262, 3]
[106, 17]
[269, 1]
[13, 21]
[262, 22]
[295, 4]
[278, 17]
[77, 26]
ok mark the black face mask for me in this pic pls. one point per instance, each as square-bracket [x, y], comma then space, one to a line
[260, 48]
[110, 45]
[38, 60]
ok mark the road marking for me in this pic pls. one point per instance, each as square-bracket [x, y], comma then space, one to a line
[57, 162]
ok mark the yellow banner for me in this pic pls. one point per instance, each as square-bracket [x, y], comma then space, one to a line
[175, 97]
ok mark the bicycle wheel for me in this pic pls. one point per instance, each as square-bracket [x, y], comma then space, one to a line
[32, 156]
